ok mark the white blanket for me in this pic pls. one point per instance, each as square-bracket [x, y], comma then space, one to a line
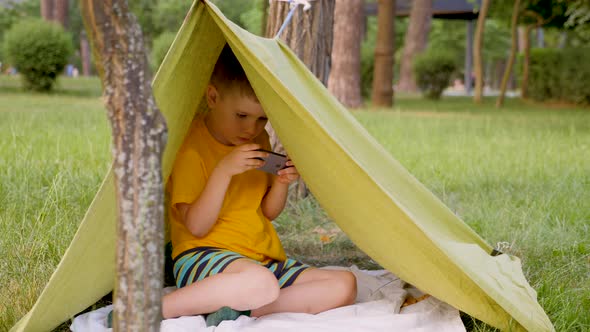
[377, 308]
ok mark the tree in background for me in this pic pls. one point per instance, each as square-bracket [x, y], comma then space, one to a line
[161, 20]
[368, 50]
[477, 50]
[55, 10]
[248, 14]
[145, 11]
[264, 17]
[344, 81]
[537, 14]
[309, 35]
[138, 131]
[382, 91]
[39, 50]
[415, 42]
[514, 46]
[578, 17]
[12, 11]
[534, 13]
[79, 38]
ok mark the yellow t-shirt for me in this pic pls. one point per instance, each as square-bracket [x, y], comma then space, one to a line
[241, 226]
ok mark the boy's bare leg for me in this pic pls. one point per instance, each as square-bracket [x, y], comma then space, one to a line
[314, 291]
[243, 285]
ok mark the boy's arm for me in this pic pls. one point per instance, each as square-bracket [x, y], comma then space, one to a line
[273, 202]
[202, 213]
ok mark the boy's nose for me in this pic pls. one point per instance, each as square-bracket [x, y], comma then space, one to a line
[250, 130]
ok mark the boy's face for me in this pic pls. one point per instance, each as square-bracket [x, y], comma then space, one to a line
[234, 119]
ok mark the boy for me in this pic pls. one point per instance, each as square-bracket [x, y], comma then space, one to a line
[228, 257]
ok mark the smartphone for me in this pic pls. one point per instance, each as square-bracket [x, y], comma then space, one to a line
[273, 163]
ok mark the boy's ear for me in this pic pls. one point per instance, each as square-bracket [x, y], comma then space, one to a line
[212, 95]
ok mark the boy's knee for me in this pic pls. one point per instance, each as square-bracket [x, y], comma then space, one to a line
[347, 285]
[261, 286]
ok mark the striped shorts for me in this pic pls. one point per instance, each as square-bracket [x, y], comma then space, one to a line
[199, 263]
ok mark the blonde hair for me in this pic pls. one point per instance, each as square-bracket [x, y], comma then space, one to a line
[228, 74]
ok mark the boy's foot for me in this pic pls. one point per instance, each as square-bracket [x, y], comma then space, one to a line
[225, 313]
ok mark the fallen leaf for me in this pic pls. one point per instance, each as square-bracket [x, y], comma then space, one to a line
[326, 238]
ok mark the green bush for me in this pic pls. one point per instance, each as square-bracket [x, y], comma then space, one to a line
[433, 71]
[161, 45]
[39, 50]
[560, 75]
[13, 11]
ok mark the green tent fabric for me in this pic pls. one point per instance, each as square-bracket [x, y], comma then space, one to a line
[380, 205]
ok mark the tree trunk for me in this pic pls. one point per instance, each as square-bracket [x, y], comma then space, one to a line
[527, 48]
[526, 61]
[139, 134]
[264, 8]
[499, 66]
[47, 9]
[344, 81]
[415, 42]
[382, 91]
[520, 38]
[309, 35]
[513, 49]
[84, 54]
[477, 50]
[60, 12]
[55, 10]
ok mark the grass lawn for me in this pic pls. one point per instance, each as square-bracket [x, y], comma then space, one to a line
[521, 175]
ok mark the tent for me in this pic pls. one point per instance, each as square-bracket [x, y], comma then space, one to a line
[375, 201]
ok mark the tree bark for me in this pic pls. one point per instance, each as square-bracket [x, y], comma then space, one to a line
[477, 51]
[497, 73]
[55, 10]
[309, 35]
[60, 12]
[139, 135]
[47, 9]
[382, 90]
[520, 38]
[84, 54]
[415, 42]
[513, 49]
[344, 81]
[264, 7]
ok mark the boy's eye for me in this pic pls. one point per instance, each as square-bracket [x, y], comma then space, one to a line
[241, 115]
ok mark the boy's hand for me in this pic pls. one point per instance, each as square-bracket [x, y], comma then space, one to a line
[287, 175]
[242, 158]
